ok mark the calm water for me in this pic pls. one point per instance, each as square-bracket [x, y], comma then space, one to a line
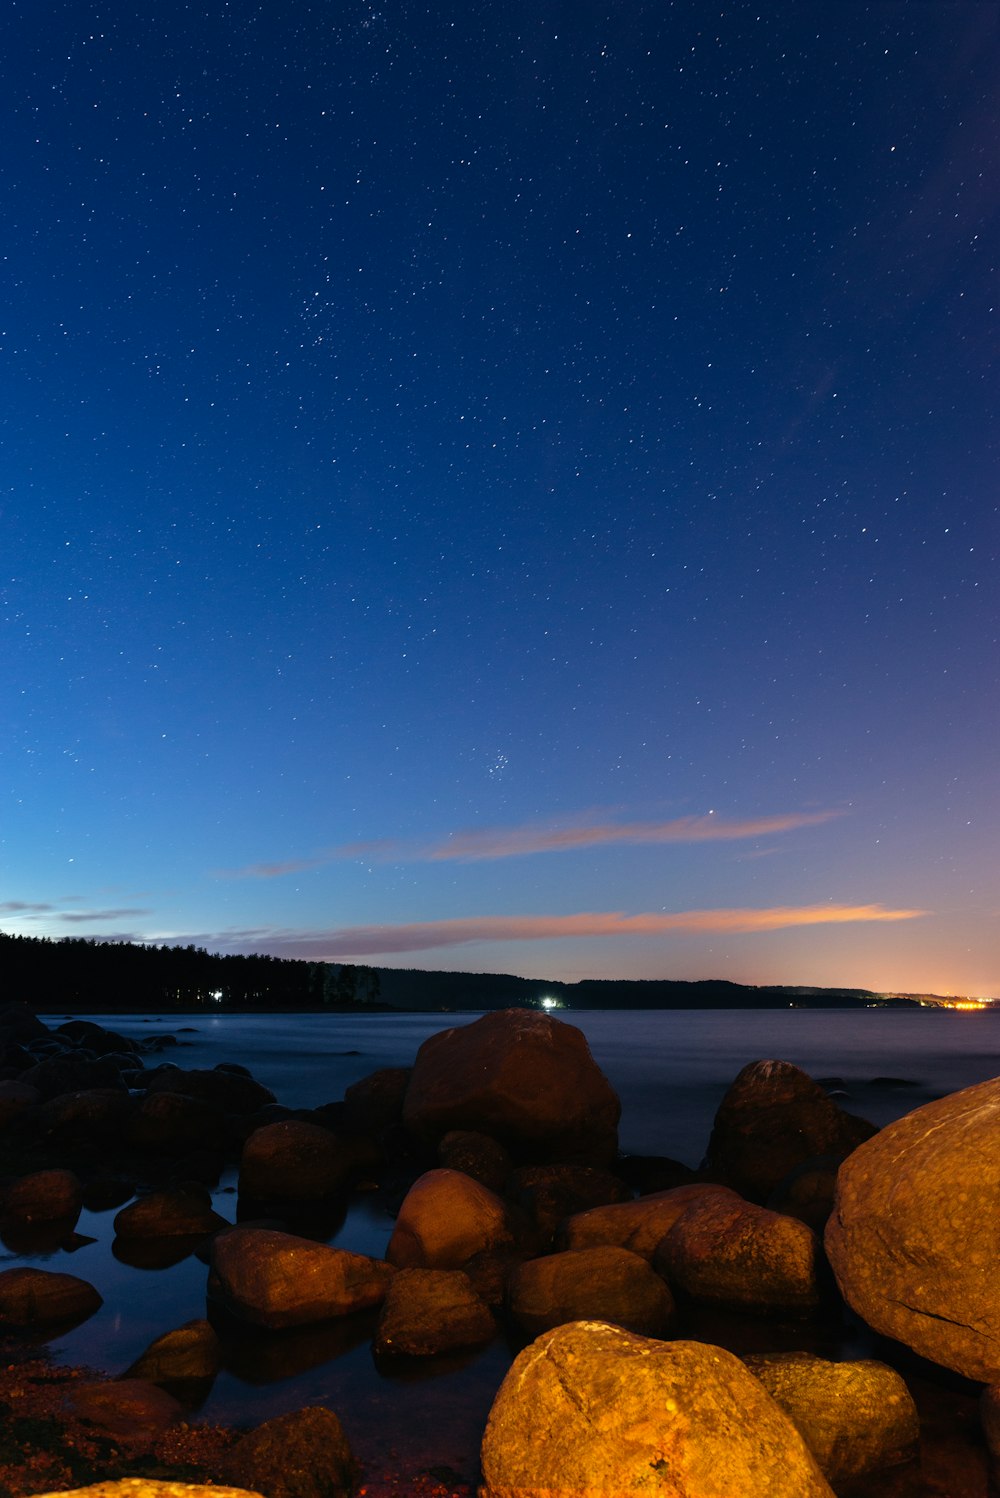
[670, 1069]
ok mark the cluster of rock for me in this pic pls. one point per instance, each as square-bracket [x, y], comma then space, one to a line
[514, 1211]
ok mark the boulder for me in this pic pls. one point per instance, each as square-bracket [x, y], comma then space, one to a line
[524, 1078]
[44, 1196]
[126, 1408]
[94, 1037]
[232, 1091]
[72, 1072]
[808, 1193]
[39, 1297]
[15, 1097]
[445, 1218]
[169, 1121]
[80, 1119]
[178, 1211]
[477, 1155]
[427, 1311]
[192, 1353]
[774, 1118]
[912, 1238]
[301, 1455]
[638, 1225]
[591, 1410]
[375, 1104]
[18, 1022]
[293, 1162]
[729, 1252]
[275, 1279]
[551, 1193]
[590, 1284]
[856, 1418]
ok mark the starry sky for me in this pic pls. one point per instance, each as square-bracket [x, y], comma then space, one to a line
[505, 487]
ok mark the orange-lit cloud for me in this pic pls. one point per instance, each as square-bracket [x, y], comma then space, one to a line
[511, 842]
[370, 941]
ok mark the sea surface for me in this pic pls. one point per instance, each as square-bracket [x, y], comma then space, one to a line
[670, 1069]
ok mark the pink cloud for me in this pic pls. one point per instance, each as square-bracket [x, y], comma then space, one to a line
[372, 941]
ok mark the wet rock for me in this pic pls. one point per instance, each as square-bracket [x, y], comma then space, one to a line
[590, 1284]
[446, 1217]
[551, 1193]
[39, 1297]
[72, 1073]
[912, 1238]
[857, 1418]
[476, 1155]
[808, 1193]
[44, 1196]
[375, 1104]
[638, 1225]
[523, 1078]
[93, 1037]
[589, 1409]
[15, 1098]
[293, 1162]
[232, 1091]
[729, 1252]
[276, 1280]
[85, 1119]
[774, 1118]
[428, 1311]
[180, 1211]
[169, 1121]
[125, 1408]
[302, 1455]
[190, 1354]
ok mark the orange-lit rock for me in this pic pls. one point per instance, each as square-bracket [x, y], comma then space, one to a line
[637, 1225]
[913, 1234]
[590, 1410]
[590, 1284]
[275, 1279]
[428, 1311]
[728, 1252]
[446, 1217]
[857, 1418]
[774, 1118]
[525, 1079]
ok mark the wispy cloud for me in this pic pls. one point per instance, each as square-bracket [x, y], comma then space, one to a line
[23, 907]
[480, 844]
[373, 941]
[80, 917]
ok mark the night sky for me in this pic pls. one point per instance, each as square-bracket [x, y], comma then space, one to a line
[505, 487]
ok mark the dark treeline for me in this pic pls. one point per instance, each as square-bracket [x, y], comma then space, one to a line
[124, 977]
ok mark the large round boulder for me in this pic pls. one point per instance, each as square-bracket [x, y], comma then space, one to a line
[232, 1091]
[304, 1454]
[551, 1193]
[637, 1225]
[151, 1487]
[43, 1196]
[773, 1119]
[445, 1218]
[913, 1239]
[524, 1078]
[276, 1279]
[590, 1410]
[293, 1162]
[126, 1408]
[40, 1297]
[175, 1212]
[590, 1284]
[428, 1311]
[728, 1252]
[857, 1418]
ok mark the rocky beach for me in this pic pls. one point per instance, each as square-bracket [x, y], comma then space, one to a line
[666, 1329]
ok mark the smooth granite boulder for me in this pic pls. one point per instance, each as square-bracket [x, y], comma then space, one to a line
[857, 1418]
[191, 1353]
[40, 1297]
[175, 1212]
[637, 1225]
[478, 1156]
[551, 1193]
[590, 1284]
[232, 1091]
[304, 1454]
[151, 1487]
[293, 1162]
[524, 1078]
[276, 1279]
[428, 1311]
[590, 1411]
[445, 1218]
[169, 1122]
[773, 1119]
[43, 1196]
[125, 1408]
[913, 1235]
[728, 1252]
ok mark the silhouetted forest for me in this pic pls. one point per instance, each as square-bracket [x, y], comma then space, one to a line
[77, 973]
